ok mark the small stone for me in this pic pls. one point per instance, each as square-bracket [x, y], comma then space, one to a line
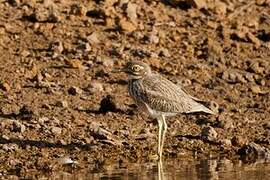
[254, 39]
[164, 52]
[77, 9]
[226, 142]
[43, 120]
[75, 63]
[74, 90]
[153, 39]
[239, 141]
[126, 25]
[5, 86]
[108, 104]
[67, 161]
[209, 133]
[256, 89]
[220, 8]
[93, 38]
[57, 48]
[62, 103]
[225, 122]
[132, 11]
[56, 131]
[18, 127]
[10, 147]
[95, 87]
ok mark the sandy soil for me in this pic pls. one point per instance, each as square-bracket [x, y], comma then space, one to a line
[59, 101]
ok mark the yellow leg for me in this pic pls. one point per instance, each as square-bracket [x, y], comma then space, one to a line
[162, 128]
[163, 132]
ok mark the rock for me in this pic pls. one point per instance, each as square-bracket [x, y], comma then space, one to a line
[74, 90]
[43, 120]
[67, 161]
[254, 150]
[220, 8]
[57, 48]
[96, 87]
[56, 131]
[77, 9]
[209, 133]
[108, 104]
[93, 38]
[226, 142]
[153, 39]
[256, 68]
[132, 11]
[25, 113]
[75, 63]
[126, 25]
[164, 52]
[5, 86]
[103, 135]
[18, 127]
[254, 39]
[225, 122]
[256, 89]
[62, 103]
[10, 147]
[46, 15]
[239, 141]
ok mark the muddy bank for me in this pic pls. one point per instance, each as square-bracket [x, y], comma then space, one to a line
[59, 99]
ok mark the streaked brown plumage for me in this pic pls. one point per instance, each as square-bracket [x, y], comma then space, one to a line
[159, 96]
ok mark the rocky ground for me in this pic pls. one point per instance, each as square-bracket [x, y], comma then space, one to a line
[60, 103]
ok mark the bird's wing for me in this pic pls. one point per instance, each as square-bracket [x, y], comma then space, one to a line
[163, 95]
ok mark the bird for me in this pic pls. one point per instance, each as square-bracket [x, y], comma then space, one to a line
[159, 97]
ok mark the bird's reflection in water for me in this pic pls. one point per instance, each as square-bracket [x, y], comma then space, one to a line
[160, 170]
[168, 169]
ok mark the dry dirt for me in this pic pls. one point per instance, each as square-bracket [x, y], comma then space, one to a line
[59, 101]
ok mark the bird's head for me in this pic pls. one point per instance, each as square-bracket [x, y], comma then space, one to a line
[136, 69]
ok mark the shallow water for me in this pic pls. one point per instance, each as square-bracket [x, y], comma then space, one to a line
[179, 169]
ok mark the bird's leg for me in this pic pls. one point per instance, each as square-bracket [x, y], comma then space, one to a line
[160, 131]
[164, 130]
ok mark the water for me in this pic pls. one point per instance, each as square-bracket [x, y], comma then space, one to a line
[177, 169]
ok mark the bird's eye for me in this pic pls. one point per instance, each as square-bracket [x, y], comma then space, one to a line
[136, 68]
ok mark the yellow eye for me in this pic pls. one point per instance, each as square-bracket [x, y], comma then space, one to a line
[136, 68]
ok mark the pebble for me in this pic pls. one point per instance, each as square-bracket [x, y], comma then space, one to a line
[239, 141]
[56, 131]
[18, 126]
[225, 122]
[132, 11]
[164, 52]
[5, 86]
[78, 10]
[10, 147]
[108, 104]
[93, 38]
[96, 87]
[62, 103]
[209, 133]
[67, 160]
[74, 90]
[126, 25]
